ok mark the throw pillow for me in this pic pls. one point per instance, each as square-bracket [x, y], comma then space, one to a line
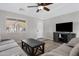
[73, 42]
[75, 51]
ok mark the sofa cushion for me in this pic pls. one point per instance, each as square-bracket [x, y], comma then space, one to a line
[8, 46]
[73, 42]
[75, 51]
[6, 42]
[16, 51]
[62, 50]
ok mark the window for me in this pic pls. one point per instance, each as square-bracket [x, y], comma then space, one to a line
[15, 25]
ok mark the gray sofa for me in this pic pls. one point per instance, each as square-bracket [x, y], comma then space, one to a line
[10, 48]
[66, 49]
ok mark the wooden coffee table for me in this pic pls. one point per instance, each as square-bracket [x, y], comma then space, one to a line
[33, 47]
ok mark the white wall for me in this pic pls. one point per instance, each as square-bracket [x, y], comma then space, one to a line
[50, 24]
[40, 29]
[31, 28]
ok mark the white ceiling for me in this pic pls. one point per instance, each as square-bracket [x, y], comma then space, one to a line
[56, 9]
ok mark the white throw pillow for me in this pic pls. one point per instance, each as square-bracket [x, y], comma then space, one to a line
[75, 51]
[73, 42]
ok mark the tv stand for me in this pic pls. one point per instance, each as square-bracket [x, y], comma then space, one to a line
[63, 36]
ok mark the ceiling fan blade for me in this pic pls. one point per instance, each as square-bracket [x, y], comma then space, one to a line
[39, 4]
[37, 10]
[31, 6]
[48, 3]
[47, 9]
[45, 4]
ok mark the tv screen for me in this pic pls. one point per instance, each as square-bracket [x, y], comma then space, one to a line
[64, 27]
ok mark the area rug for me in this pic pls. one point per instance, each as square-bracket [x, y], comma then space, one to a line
[50, 45]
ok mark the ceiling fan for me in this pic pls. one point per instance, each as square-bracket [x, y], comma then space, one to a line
[41, 6]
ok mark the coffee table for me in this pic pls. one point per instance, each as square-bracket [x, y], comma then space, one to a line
[33, 47]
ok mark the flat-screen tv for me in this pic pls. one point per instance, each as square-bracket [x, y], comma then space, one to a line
[64, 27]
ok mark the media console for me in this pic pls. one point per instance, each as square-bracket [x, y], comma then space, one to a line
[63, 36]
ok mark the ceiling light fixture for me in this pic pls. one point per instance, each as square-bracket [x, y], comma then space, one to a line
[40, 7]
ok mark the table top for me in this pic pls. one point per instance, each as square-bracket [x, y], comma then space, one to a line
[33, 42]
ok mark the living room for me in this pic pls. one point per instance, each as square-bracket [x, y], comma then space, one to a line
[19, 23]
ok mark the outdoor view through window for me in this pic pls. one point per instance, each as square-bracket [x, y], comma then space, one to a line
[15, 25]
